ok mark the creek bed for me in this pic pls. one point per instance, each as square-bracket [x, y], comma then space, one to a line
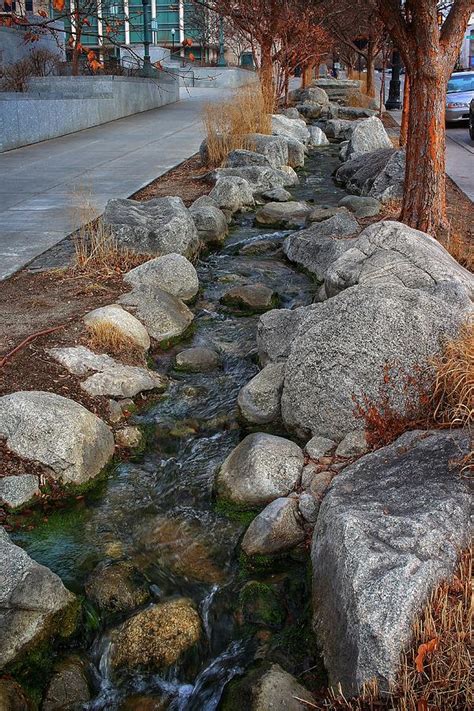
[157, 510]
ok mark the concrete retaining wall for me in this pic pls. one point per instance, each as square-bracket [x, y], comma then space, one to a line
[215, 77]
[13, 46]
[56, 106]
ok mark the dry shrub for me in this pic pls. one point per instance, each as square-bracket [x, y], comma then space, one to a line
[454, 384]
[227, 124]
[107, 338]
[435, 672]
[460, 245]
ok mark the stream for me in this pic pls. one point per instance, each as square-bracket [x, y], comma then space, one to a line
[157, 510]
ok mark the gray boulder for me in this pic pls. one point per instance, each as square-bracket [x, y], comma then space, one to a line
[57, 432]
[277, 195]
[369, 135]
[296, 153]
[123, 381]
[172, 273]
[259, 470]
[241, 157]
[317, 137]
[389, 182]
[290, 128]
[319, 214]
[231, 192]
[250, 297]
[357, 175]
[34, 604]
[388, 531]
[310, 111]
[197, 360]
[259, 400]
[274, 148]
[291, 113]
[80, 360]
[355, 112]
[276, 331]
[353, 445]
[317, 247]
[164, 316]
[267, 689]
[158, 226]
[361, 206]
[392, 253]
[340, 356]
[259, 178]
[211, 224]
[277, 529]
[318, 447]
[311, 94]
[340, 129]
[17, 491]
[284, 215]
[116, 318]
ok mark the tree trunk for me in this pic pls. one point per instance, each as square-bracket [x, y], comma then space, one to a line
[370, 69]
[424, 205]
[406, 111]
[308, 73]
[266, 76]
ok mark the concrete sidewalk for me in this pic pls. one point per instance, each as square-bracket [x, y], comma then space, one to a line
[43, 187]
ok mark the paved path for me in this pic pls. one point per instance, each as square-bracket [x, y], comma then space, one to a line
[44, 187]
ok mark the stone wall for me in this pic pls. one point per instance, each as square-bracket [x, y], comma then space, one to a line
[56, 106]
[216, 77]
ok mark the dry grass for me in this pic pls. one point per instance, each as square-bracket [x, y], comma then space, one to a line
[228, 124]
[435, 672]
[454, 385]
[107, 338]
[460, 245]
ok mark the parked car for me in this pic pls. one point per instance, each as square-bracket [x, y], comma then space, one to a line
[471, 119]
[458, 98]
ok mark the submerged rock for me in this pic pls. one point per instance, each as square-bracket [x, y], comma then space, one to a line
[285, 215]
[114, 316]
[117, 587]
[275, 530]
[259, 400]
[389, 529]
[34, 604]
[165, 317]
[172, 273]
[260, 469]
[156, 637]
[69, 688]
[57, 432]
[197, 360]
[250, 297]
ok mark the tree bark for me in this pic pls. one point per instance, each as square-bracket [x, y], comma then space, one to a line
[266, 75]
[370, 69]
[405, 111]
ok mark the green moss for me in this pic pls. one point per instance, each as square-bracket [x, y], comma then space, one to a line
[258, 564]
[168, 343]
[260, 605]
[234, 512]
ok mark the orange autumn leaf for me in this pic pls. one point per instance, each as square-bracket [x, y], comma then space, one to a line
[95, 65]
[90, 56]
[59, 5]
[423, 650]
[191, 57]
[42, 13]
[108, 29]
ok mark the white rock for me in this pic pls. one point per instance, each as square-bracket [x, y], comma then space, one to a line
[115, 316]
[172, 273]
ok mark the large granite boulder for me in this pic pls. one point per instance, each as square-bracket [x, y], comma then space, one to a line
[158, 226]
[389, 529]
[340, 129]
[165, 317]
[274, 148]
[211, 224]
[34, 604]
[172, 273]
[284, 215]
[276, 332]
[392, 253]
[241, 157]
[357, 175]
[260, 469]
[339, 357]
[277, 529]
[259, 400]
[259, 178]
[369, 135]
[70, 441]
[231, 192]
[317, 247]
[290, 128]
[268, 688]
[311, 94]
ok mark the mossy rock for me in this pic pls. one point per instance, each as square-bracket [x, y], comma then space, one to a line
[260, 605]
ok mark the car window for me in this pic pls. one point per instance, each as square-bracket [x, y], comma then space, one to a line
[461, 83]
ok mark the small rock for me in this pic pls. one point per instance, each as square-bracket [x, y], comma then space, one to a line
[318, 447]
[259, 400]
[260, 469]
[361, 206]
[252, 297]
[211, 224]
[320, 484]
[309, 508]
[317, 137]
[296, 153]
[164, 316]
[197, 360]
[291, 113]
[275, 530]
[259, 247]
[156, 637]
[123, 381]
[319, 214]
[115, 412]
[16, 491]
[128, 437]
[307, 475]
[267, 689]
[353, 444]
[69, 687]
[310, 111]
[286, 215]
[172, 273]
[277, 195]
[117, 587]
[122, 321]
[80, 360]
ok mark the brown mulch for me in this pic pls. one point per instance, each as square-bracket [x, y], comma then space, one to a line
[184, 180]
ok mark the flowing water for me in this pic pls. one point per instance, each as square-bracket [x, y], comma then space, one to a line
[157, 511]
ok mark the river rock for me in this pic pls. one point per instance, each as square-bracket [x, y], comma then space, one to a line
[211, 224]
[16, 491]
[340, 129]
[164, 316]
[13, 697]
[317, 137]
[319, 214]
[80, 360]
[320, 484]
[241, 157]
[357, 175]
[250, 297]
[353, 113]
[268, 688]
[259, 178]
[276, 331]
[317, 247]
[34, 604]
[277, 195]
[311, 94]
[260, 469]
[172, 273]
[159, 226]
[296, 153]
[274, 148]
[290, 128]
[275, 530]
[123, 381]
[353, 445]
[115, 317]
[232, 193]
[361, 206]
[388, 184]
[156, 637]
[291, 113]
[340, 356]
[318, 447]
[392, 253]
[57, 432]
[69, 687]
[259, 400]
[308, 507]
[388, 531]
[310, 111]
[369, 135]
[197, 360]
[129, 437]
[284, 215]
[117, 587]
